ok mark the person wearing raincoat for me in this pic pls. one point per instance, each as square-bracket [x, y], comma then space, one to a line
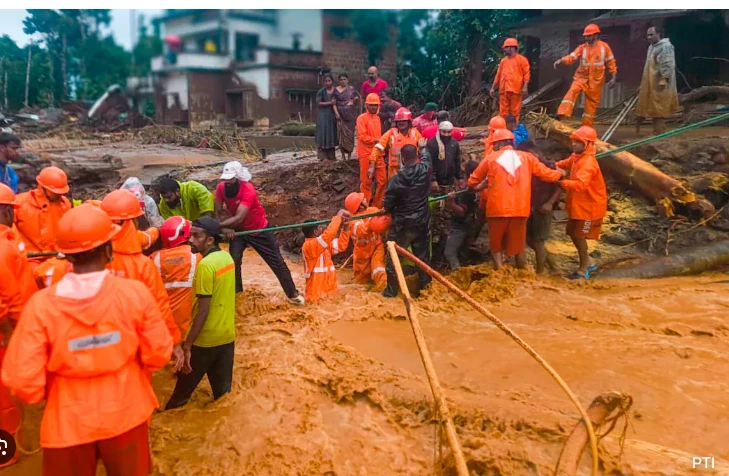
[151, 211]
[594, 57]
[657, 98]
[369, 131]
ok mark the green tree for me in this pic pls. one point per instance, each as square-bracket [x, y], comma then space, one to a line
[371, 27]
[147, 47]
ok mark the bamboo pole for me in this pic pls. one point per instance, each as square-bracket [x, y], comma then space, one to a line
[435, 387]
[553, 373]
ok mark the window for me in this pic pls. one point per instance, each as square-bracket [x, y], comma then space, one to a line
[302, 99]
[246, 45]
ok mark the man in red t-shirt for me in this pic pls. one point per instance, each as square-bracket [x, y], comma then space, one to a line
[373, 84]
[244, 212]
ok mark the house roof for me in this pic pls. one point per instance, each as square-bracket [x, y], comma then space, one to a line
[580, 17]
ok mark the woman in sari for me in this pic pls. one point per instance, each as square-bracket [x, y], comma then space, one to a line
[345, 109]
[326, 125]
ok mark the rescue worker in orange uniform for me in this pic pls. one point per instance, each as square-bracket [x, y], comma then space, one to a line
[512, 79]
[319, 271]
[369, 131]
[509, 174]
[586, 197]
[147, 237]
[40, 210]
[129, 262]
[177, 263]
[86, 346]
[496, 123]
[16, 288]
[393, 141]
[368, 260]
[594, 56]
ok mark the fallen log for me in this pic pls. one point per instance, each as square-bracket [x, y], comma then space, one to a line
[542, 91]
[702, 92]
[598, 413]
[632, 171]
[694, 261]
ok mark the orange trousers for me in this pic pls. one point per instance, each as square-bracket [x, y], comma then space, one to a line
[9, 413]
[365, 184]
[592, 101]
[370, 267]
[510, 103]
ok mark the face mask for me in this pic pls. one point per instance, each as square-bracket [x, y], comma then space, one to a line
[231, 189]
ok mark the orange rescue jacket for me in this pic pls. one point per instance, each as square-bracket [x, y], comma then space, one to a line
[16, 278]
[177, 267]
[37, 220]
[89, 359]
[510, 173]
[513, 73]
[393, 141]
[51, 271]
[369, 131]
[585, 188]
[366, 244]
[319, 271]
[129, 262]
[593, 59]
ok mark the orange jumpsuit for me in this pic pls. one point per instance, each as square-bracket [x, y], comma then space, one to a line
[51, 271]
[148, 237]
[86, 346]
[16, 288]
[369, 131]
[513, 73]
[589, 78]
[369, 251]
[177, 266]
[37, 220]
[319, 271]
[585, 188]
[393, 141]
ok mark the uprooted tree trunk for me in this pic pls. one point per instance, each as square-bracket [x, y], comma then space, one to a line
[691, 262]
[703, 92]
[634, 172]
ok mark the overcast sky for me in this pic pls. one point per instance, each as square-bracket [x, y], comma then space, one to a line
[11, 24]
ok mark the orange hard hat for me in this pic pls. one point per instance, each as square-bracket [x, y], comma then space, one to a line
[7, 196]
[96, 203]
[373, 98]
[497, 122]
[53, 179]
[122, 205]
[591, 29]
[380, 224]
[403, 114]
[584, 134]
[175, 231]
[510, 42]
[353, 201]
[502, 134]
[84, 228]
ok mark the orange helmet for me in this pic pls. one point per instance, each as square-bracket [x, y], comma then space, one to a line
[121, 205]
[591, 29]
[7, 196]
[380, 224]
[84, 228]
[373, 98]
[403, 114]
[584, 134]
[497, 122]
[353, 201]
[53, 179]
[175, 231]
[510, 42]
[96, 203]
[502, 134]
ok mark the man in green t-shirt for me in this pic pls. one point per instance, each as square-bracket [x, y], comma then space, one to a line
[209, 345]
[185, 199]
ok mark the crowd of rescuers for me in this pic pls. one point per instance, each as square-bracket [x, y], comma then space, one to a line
[138, 283]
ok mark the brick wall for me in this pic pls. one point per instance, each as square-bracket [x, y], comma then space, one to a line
[207, 98]
[279, 108]
[347, 55]
[308, 59]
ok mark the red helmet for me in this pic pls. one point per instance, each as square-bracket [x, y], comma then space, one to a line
[584, 134]
[502, 134]
[510, 42]
[175, 231]
[591, 29]
[403, 114]
[353, 201]
[380, 224]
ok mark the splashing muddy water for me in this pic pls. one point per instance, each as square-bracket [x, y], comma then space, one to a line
[338, 388]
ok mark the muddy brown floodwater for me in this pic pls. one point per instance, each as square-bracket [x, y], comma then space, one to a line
[338, 388]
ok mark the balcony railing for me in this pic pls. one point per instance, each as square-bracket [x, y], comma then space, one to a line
[191, 60]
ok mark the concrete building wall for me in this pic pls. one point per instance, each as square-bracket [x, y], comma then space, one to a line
[260, 78]
[177, 83]
[207, 98]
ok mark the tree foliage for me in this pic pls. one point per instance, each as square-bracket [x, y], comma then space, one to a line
[371, 28]
[448, 55]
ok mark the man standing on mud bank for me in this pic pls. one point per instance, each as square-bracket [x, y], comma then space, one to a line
[657, 98]
[406, 200]
[209, 347]
[9, 147]
[239, 198]
[374, 83]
